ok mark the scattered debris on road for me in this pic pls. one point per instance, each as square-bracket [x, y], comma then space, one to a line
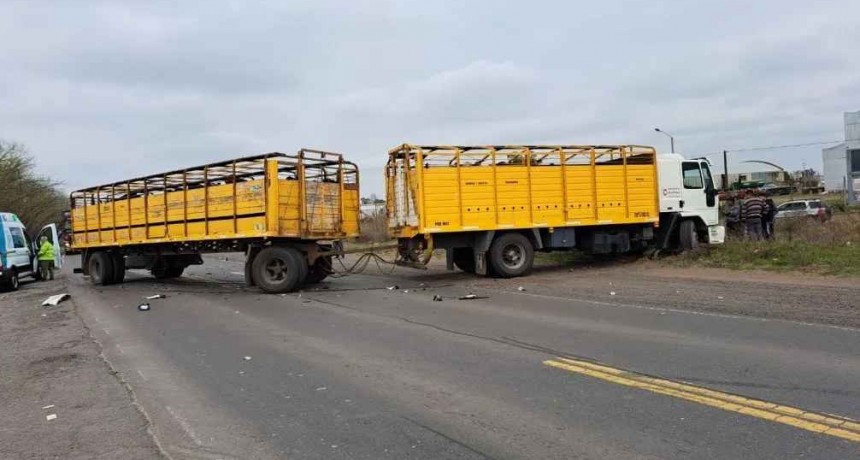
[48, 406]
[50, 417]
[437, 298]
[156, 296]
[472, 297]
[321, 389]
[611, 292]
[55, 299]
[143, 307]
[392, 288]
[247, 358]
[521, 289]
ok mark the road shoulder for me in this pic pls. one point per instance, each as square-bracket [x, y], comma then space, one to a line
[60, 398]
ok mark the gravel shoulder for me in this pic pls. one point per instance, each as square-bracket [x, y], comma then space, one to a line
[51, 366]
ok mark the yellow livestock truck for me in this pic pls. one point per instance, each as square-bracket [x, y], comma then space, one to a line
[288, 213]
[492, 207]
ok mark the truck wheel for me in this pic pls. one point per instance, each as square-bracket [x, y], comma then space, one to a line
[319, 271]
[511, 254]
[101, 268]
[279, 269]
[118, 268]
[464, 259]
[688, 236]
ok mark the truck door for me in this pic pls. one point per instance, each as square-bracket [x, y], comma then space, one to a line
[53, 235]
[699, 193]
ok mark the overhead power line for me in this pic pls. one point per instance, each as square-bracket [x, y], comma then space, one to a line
[772, 147]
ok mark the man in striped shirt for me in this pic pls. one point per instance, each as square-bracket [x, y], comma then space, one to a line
[752, 212]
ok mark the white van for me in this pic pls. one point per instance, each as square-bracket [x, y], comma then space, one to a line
[19, 254]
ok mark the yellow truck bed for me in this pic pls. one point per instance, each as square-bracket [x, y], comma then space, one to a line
[312, 195]
[439, 189]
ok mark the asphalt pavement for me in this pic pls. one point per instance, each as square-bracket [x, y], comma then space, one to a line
[358, 369]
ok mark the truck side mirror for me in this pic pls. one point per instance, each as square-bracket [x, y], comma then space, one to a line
[710, 195]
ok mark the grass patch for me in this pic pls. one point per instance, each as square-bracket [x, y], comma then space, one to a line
[832, 248]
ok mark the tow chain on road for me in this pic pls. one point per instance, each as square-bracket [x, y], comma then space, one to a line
[361, 264]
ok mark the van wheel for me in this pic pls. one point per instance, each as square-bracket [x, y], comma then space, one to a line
[689, 238]
[464, 259]
[320, 270]
[279, 269]
[511, 255]
[100, 267]
[12, 283]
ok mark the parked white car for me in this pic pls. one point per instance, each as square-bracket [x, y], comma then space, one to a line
[18, 254]
[802, 208]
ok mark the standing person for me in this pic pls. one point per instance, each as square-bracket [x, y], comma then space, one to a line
[752, 210]
[46, 259]
[769, 218]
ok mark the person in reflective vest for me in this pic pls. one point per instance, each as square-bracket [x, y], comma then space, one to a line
[46, 259]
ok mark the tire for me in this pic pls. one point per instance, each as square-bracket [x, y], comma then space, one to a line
[12, 282]
[118, 268]
[688, 236]
[175, 271]
[511, 255]
[278, 269]
[464, 259]
[100, 267]
[165, 269]
[319, 271]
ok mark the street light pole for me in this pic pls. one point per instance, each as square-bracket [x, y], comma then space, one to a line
[671, 138]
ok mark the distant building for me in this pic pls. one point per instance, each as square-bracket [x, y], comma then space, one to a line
[842, 162]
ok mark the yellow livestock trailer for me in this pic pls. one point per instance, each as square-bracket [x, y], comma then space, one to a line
[286, 212]
[492, 207]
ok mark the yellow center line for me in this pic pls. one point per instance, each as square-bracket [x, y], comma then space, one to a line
[811, 421]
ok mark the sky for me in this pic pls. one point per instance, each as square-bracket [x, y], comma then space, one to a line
[105, 91]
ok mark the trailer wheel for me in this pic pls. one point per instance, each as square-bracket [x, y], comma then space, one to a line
[464, 259]
[511, 254]
[100, 267]
[118, 268]
[279, 269]
[688, 236]
[167, 269]
[320, 270]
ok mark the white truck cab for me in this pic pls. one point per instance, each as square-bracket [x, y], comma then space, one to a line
[688, 195]
[19, 254]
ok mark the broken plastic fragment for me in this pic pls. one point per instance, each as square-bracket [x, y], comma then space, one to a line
[472, 297]
[55, 299]
[247, 358]
[51, 417]
[437, 298]
[391, 288]
[612, 293]
[521, 289]
[143, 307]
[156, 296]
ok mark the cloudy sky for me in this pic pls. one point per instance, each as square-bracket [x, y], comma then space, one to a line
[101, 91]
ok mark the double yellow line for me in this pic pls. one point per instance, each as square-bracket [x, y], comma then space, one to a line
[820, 423]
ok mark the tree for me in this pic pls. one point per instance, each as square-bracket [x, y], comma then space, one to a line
[36, 200]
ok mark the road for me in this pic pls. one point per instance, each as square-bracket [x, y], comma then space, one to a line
[354, 370]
